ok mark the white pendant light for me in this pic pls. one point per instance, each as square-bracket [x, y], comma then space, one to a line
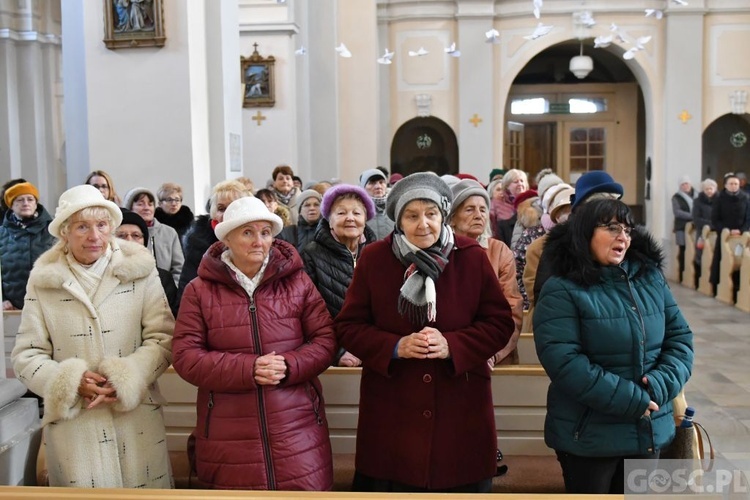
[581, 65]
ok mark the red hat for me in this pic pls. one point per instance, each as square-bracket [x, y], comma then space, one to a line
[467, 176]
[529, 193]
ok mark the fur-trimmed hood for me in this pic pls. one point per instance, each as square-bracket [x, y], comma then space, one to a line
[130, 261]
[580, 268]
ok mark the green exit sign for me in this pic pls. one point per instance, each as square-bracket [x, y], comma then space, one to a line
[559, 107]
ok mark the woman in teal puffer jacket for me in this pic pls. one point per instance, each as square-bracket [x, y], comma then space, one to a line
[614, 344]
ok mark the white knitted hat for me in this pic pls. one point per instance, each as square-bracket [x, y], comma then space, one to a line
[244, 210]
[77, 198]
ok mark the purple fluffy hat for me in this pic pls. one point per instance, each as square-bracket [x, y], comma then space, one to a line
[335, 192]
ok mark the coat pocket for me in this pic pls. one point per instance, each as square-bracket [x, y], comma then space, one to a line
[582, 423]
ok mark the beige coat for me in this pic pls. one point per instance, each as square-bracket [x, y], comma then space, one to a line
[504, 264]
[533, 254]
[125, 334]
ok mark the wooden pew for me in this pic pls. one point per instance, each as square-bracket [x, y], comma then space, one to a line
[519, 393]
[730, 262]
[709, 239]
[743, 296]
[688, 275]
[527, 350]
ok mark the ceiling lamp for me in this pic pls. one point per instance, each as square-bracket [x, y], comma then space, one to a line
[581, 65]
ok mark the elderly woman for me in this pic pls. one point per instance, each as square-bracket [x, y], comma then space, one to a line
[331, 257]
[94, 336]
[201, 236]
[303, 232]
[253, 334]
[502, 211]
[469, 216]
[702, 206]
[102, 181]
[23, 238]
[424, 313]
[163, 240]
[682, 209]
[731, 210]
[614, 343]
[284, 190]
[171, 212]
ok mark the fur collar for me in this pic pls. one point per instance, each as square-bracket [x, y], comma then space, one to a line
[130, 261]
[183, 218]
[579, 267]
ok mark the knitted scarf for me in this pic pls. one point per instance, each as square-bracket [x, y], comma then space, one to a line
[90, 276]
[418, 300]
[284, 199]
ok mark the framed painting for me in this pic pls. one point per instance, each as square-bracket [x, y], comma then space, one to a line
[133, 23]
[257, 80]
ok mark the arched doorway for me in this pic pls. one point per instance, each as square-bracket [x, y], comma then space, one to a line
[424, 144]
[725, 146]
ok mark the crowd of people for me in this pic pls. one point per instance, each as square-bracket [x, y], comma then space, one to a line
[422, 281]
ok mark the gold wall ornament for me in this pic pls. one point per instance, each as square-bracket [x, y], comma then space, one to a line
[685, 116]
[133, 24]
[257, 73]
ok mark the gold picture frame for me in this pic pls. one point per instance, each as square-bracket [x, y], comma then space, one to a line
[133, 23]
[258, 85]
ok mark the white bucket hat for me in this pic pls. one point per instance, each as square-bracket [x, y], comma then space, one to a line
[77, 198]
[244, 210]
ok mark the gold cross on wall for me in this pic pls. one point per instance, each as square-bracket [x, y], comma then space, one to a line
[475, 120]
[685, 116]
[259, 118]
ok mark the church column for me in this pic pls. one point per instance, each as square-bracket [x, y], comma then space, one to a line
[475, 83]
[358, 88]
[683, 120]
[10, 155]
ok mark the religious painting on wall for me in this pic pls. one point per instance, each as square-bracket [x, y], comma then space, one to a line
[257, 80]
[133, 23]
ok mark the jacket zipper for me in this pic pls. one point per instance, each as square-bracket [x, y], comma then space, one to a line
[640, 318]
[261, 404]
[208, 414]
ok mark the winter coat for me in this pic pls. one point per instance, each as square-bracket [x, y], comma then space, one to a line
[180, 222]
[196, 241]
[683, 213]
[730, 211]
[124, 334]
[330, 265]
[20, 246]
[519, 251]
[380, 225]
[702, 207]
[596, 342]
[300, 234]
[504, 265]
[251, 436]
[429, 423]
[166, 247]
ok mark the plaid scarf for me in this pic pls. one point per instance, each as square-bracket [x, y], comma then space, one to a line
[284, 199]
[418, 300]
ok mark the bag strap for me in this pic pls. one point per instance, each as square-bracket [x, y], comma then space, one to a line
[699, 432]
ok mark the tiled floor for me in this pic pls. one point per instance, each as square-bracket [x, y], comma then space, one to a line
[720, 386]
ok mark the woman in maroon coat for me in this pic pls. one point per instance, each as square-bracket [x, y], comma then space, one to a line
[424, 312]
[253, 334]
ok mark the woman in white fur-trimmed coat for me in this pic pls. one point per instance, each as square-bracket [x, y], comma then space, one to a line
[95, 334]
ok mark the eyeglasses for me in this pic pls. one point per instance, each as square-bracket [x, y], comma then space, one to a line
[615, 229]
[171, 200]
[100, 186]
[129, 236]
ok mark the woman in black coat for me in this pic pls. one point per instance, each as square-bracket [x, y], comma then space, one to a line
[331, 257]
[730, 211]
[702, 207]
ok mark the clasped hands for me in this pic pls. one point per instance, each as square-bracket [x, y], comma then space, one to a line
[428, 343]
[96, 389]
[269, 369]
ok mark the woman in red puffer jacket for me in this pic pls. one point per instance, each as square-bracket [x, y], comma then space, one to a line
[253, 334]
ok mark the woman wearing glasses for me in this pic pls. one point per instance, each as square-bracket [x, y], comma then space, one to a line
[171, 211]
[613, 342]
[102, 181]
